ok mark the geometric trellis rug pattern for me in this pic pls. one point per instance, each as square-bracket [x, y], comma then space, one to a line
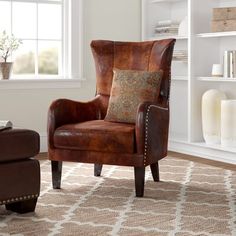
[191, 199]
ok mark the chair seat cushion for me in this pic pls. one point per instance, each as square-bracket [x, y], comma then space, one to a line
[96, 135]
[18, 144]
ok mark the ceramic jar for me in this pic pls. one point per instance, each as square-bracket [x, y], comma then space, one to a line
[211, 115]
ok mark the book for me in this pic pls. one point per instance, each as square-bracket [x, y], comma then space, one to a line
[230, 64]
[5, 124]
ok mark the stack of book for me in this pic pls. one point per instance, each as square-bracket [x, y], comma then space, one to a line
[180, 55]
[230, 64]
[224, 19]
[167, 27]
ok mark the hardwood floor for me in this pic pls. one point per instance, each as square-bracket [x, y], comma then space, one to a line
[42, 156]
[203, 161]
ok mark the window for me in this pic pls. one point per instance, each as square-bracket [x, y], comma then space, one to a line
[40, 24]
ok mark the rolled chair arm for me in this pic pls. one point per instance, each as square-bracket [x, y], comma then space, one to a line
[65, 111]
[152, 127]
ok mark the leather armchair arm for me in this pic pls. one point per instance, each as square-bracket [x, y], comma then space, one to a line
[65, 111]
[152, 127]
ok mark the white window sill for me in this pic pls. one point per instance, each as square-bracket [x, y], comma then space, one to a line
[40, 84]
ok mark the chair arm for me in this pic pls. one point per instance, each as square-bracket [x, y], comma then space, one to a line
[152, 127]
[65, 111]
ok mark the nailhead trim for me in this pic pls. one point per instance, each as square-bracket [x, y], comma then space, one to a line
[146, 136]
[146, 131]
[17, 199]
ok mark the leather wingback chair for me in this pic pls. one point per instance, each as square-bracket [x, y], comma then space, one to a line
[77, 131]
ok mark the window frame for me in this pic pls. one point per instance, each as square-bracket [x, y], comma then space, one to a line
[72, 50]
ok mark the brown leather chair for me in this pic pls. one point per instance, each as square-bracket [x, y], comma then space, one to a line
[77, 131]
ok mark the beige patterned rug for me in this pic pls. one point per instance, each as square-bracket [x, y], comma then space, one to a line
[192, 199]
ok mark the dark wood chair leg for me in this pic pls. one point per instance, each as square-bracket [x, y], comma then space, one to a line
[155, 172]
[97, 169]
[139, 176]
[22, 207]
[56, 174]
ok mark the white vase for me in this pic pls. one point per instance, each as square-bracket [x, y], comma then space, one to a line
[211, 115]
[228, 123]
[183, 27]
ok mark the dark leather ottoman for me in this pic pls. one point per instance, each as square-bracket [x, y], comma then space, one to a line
[19, 172]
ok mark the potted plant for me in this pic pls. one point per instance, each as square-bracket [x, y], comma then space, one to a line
[8, 44]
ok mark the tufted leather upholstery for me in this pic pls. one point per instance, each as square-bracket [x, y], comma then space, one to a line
[77, 132]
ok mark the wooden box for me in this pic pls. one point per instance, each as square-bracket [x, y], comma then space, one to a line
[223, 25]
[226, 13]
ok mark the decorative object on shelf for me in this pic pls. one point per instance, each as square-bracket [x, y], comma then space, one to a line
[230, 64]
[8, 44]
[180, 55]
[211, 115]
[224, 19]
[183, 27]
[228, 124]
[224, 13]
[167, 27]
[217, 70]
[226, 64]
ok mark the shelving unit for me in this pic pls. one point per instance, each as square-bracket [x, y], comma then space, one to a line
[192, 79]
[176, 10]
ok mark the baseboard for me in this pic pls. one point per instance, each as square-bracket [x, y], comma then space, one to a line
[202, 152]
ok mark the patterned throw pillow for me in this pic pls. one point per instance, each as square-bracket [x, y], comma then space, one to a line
[129, 89]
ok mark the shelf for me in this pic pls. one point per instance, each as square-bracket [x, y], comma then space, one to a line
[216, 146]
[177, 37]
[179, 78]
[217, 79]
[217, 34]
[166, 1]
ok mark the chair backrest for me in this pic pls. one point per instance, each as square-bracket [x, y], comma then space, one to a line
[149, 56]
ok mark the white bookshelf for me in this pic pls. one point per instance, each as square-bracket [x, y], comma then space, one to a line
[192, 78]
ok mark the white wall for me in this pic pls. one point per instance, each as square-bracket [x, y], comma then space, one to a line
[103, 19]
[110, 19]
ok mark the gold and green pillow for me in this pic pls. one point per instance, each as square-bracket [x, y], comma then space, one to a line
[129, 89]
